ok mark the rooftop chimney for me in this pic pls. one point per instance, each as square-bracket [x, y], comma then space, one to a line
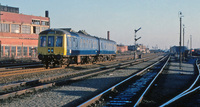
[46, 13]
[108, 35]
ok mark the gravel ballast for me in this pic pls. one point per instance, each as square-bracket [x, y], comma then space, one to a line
[75, 93]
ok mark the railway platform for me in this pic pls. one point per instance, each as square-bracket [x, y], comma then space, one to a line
[176, 77]
[172, 82]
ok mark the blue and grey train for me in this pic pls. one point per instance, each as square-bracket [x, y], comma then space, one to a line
[64, 46]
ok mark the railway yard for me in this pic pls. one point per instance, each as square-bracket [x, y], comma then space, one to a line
[99, 54]
[153, 80]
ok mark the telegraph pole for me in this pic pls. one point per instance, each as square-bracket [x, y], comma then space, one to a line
[180, 55]
[183, 42]
[190, 45]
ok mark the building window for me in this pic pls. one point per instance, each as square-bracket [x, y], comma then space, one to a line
[26, 29]
[4, 27]
[1, 50]
[36, 22]
[45, 23]
[13, 51]
[15, 28]
[9, 9]
[7, 51]
[36, 29]
[25, 51]
[19, 51]
[30, 51]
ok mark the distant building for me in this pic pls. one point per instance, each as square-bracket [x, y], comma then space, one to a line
[176, 49]
[140, 48]
[19, 32]
[131, 47]
[122, 48]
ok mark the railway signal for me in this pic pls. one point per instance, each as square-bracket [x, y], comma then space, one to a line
[136, 39]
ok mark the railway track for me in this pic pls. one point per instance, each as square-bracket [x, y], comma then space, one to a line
[183, 97]
[130, 91]
[38, 67]
[19, 65]
[15, 69]
[17, 89]
[18, 71]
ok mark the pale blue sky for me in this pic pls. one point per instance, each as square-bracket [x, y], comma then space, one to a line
[158, 18]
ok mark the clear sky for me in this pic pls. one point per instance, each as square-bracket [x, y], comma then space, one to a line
[158, 18]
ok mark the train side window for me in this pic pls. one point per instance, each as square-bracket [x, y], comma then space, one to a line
[59, 41]
[73, 43]
[84, 43]
[76, 42]
[92, 44]
[43, 41]
[50, 41]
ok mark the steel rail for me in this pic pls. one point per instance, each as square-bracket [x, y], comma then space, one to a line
[90, 101]
[63, 75]
[187, 91]
[28, 71]
[142, 96]
[51, 84]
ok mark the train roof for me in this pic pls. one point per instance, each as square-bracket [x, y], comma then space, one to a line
[52, 31]
[69, 31]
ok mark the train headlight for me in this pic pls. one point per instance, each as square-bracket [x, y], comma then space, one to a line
[70, 51]
[51, 50]
[48, 50]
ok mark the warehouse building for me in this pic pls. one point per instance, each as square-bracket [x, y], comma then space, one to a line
[19, 32]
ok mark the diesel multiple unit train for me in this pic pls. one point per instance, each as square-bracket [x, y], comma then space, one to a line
[63, 46]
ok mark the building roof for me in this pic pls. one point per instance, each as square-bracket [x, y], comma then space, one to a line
[20, 18]
[9, 9]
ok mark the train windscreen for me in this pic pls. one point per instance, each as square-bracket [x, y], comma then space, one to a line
[59, 40]
[43, 41]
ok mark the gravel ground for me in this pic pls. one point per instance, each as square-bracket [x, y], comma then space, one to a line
[75, 93]
[50, 73]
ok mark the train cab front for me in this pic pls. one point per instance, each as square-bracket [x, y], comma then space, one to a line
[51, 48]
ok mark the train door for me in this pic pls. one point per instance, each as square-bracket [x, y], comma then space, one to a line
[98, 45]
[50, 44]
[69, 45]
[76, 43]
[76, 52]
